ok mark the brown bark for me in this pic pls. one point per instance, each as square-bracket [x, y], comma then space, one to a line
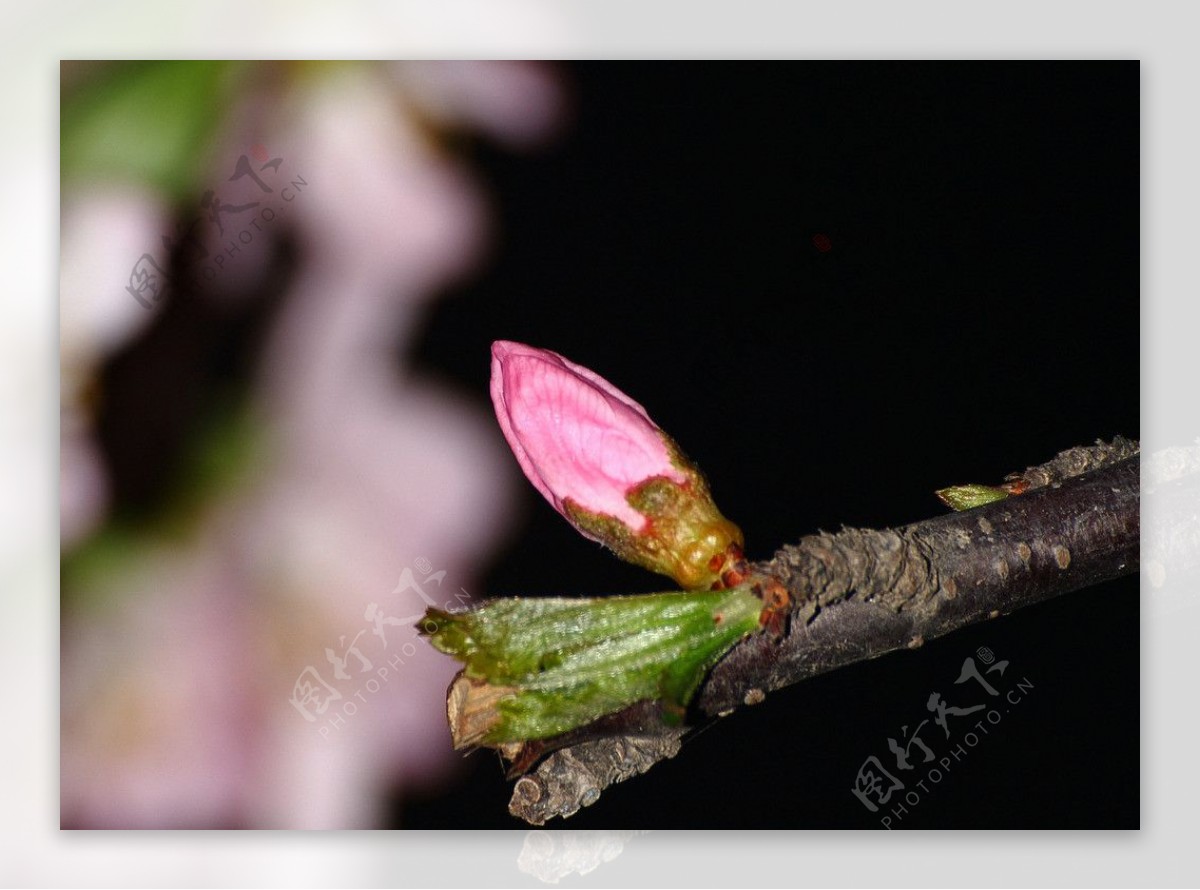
[859, 594]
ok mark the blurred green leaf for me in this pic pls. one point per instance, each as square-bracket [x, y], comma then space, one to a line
[146, 122]
[226, 452]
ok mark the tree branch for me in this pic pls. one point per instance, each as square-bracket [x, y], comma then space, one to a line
[859, 594]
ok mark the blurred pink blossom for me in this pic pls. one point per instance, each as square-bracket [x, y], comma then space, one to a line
[104, 230]
[180, 668]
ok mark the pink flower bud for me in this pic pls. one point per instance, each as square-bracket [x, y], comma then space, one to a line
[596, 455]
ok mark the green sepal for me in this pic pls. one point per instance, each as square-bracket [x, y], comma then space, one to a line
[684, 530]
[558, 664]
[966, 497]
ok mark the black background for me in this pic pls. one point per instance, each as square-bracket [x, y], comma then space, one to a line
[978, 312]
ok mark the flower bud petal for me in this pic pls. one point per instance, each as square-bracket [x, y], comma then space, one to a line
[599, 459]
[574, 434]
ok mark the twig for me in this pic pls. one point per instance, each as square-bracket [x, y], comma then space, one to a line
[859, 594]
